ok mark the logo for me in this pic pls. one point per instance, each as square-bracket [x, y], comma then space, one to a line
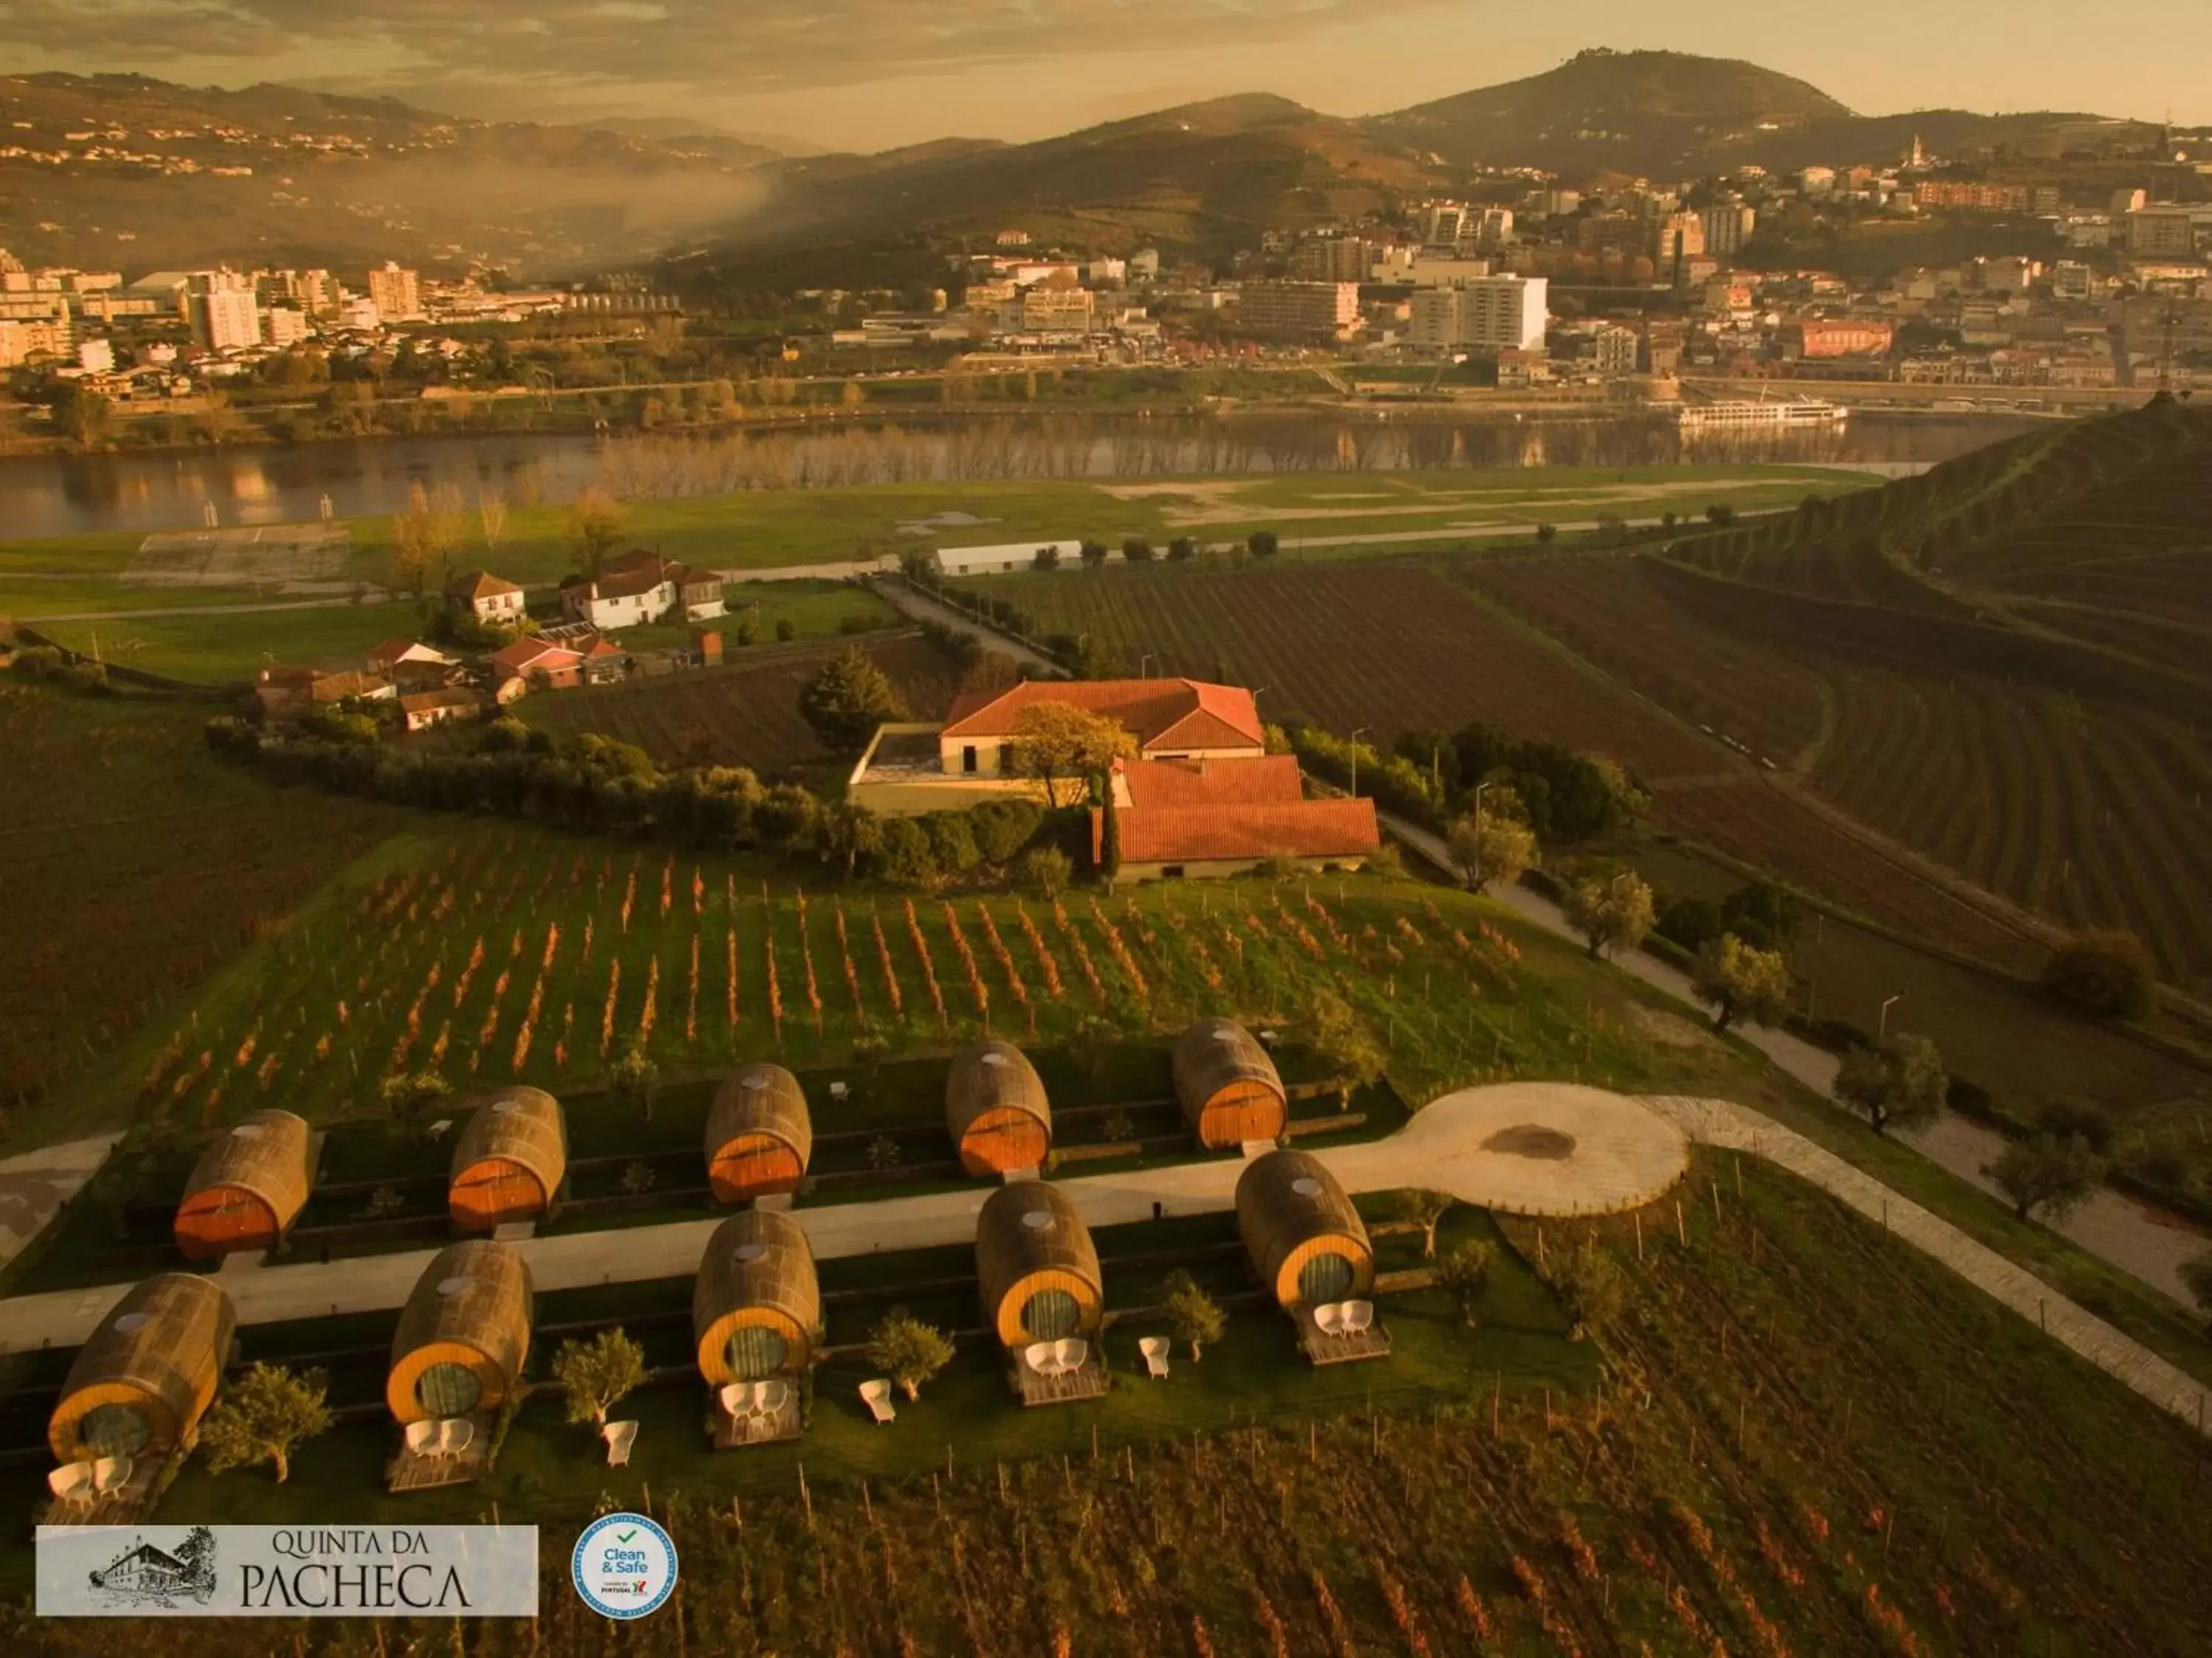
[143, 1575]
[624, 1565]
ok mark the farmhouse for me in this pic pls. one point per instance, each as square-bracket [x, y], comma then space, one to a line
[392, 655]
[487, 597]
[641, 587]
[284, 690]
[423, 709]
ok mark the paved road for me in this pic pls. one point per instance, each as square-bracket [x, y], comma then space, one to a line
[1533, 1148]
[923, 608]
[1716, 1122]
[2140, 1240]
[35, 1185]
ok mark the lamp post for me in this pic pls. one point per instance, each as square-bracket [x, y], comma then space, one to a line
[1358, 733]
[1144, 664]
[1882, 1027]
[1477, 820]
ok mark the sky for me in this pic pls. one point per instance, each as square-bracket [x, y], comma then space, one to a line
[873, 74]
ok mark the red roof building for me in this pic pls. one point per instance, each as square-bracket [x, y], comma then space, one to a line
[1220, 817]
[1170, 719]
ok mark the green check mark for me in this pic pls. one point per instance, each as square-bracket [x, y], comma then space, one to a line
[624, 1537]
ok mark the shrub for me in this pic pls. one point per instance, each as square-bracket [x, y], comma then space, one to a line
[1263, 544]
[905, 855]
[2101, 974]
[1047, 870]
[953, 842]
[1002, 828]
[1137, 550]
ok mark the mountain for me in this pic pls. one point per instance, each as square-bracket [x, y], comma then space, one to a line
[1211, 177]
[1669, 114]
[126, 171]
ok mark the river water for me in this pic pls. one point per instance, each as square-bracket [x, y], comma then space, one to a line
[76, 495]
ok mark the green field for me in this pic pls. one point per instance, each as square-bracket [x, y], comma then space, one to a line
[768, 528]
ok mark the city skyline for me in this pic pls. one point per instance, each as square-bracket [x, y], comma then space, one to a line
[868, 74]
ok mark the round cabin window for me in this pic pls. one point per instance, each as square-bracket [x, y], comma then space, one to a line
[1306, 1186]
[757, 1353]
[1224, 1034]
[449, 1390]
[131, 1323]
[115, 1430]
[1049, 1314]
[753, 1084]
[246, 1131]
[1038, 1220]
[994, 1059]
[505, 1107]
[449, 1288]
[749, 1253]
[1325, 1278]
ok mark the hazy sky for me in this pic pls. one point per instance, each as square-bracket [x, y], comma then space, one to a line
[868, 74]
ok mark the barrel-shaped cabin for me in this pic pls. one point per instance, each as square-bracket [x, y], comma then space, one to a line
[759, 1135]
[1230, 1091]
[509, 1160]
[1305, 1238]
[995, 1106]
[144, 1378]
[756, 1304]
[462, 1335]
[1037, 1265]
[247, 1188]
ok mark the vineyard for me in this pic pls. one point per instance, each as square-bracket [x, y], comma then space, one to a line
[745, 713]
[513, 955]
[1806, 1440]
[1392, 646]
[137, 864]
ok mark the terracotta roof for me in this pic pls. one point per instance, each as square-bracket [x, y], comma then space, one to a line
[1170, 713]
[525, 655]
[1308, 829]
[423, 701]
[479, 584]
[392, 651]
[1270, 780]
[337, 687]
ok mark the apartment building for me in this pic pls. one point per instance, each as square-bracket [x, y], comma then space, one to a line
[1492, 314]
[395, 293]
[223, 312]
[1324, 309]
[1728, 227]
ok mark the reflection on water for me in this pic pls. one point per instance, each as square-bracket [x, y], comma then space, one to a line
[70, 495]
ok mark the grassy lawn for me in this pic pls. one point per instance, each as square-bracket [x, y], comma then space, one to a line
[221, 649]
[812, 609]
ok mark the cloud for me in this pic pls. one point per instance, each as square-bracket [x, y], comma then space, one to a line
[694, 49]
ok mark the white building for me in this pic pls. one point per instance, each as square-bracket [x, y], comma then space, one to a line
[1728, 227]
[281, 325]
[222, 311]
[397, 292]
[96, 356]
[1496, 313]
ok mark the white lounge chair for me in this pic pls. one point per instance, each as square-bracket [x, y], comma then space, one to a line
[421, 1438]
[1359, 1316]
[877, 1396]
[110, 1473]
[455, 1436]
[70, 1481]
[1155, 1350]
[1069, 1352]
[770, 1397]
[838, 1091]
[1039, 1356]
[619, 1437]
[736, 1398]
[1328, 1317]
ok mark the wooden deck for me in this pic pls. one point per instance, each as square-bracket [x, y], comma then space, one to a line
[1091, 1381]
[410, 1472]
[731, 1433]
[1323, 1348]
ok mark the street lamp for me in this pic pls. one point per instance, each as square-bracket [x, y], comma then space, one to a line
[1476, 818]
[1881, 1028]
[1358, 732]
[1144, 664]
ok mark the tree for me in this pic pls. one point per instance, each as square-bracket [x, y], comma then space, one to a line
[1741, 981]
[594, 1375]
[1425, 1208]
[632, 1080]
[594, 525]
[1547, 533]
[491, 515]
[849, 700]
[2050, 1171]
[264, 1416]
[1464, 1272]
[1093, 553]
[1195, 1316]
[1137, 550]
[1492, 844]
[1046, 870]
[408, 1099]
[846, 833]
[1045, 558]
[2196, 1278]
[907, 1351]
[2101, 974]
[1182, 550]
[1263, 544]
[1055, 741]
[1344, 1044]
[425, 536]
[1610, 915]
[1901, 1082]
[786, 630]
[1720, 513]
[1590, 1282]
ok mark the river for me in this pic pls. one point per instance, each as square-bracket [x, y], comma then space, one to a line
[77, 495]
